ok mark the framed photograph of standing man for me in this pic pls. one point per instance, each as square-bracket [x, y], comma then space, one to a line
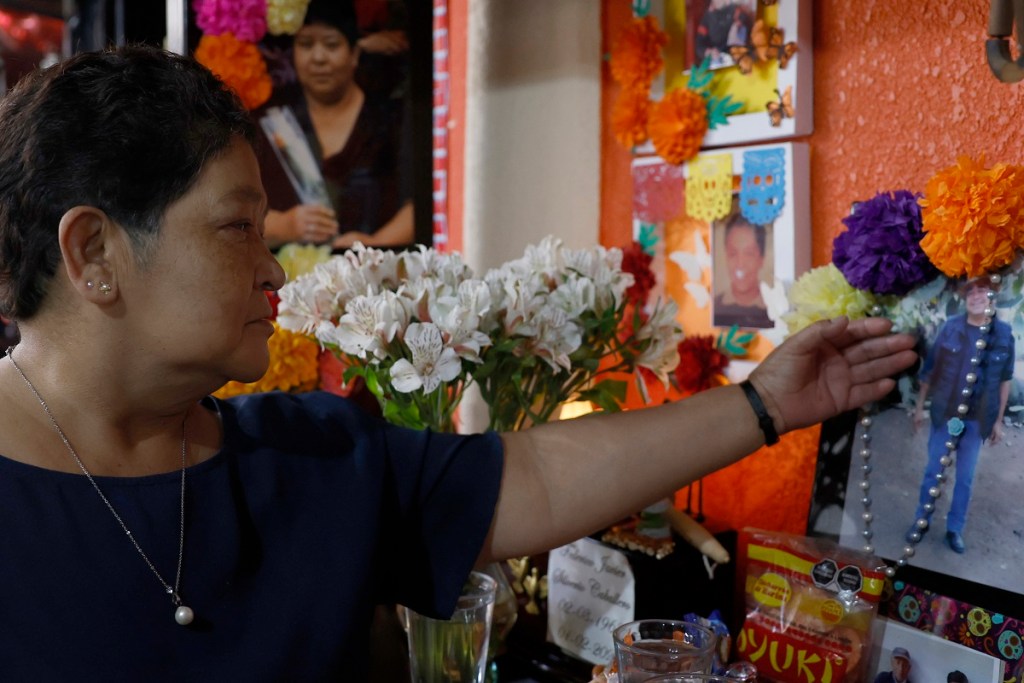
[954, 506]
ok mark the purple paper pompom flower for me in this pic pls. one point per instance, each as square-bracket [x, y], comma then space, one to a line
[245, 19]
[880, 251]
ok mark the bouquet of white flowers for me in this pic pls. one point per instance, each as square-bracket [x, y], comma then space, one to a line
[418, 327]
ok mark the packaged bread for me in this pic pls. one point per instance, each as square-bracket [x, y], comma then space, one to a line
[809, 607]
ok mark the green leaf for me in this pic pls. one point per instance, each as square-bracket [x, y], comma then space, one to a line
[700, 76]
[641, 8]
[720, 109]
[733, 342]
[648, 238]
[608, 395]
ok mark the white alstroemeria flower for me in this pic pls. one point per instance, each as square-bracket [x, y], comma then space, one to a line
[368, 325]
[356, 331]
[343, 281]
[664, 333]
[557, 338]
[419, 294]
[542, 259]
[424, 262]
[575, 296]
[604, 267]
[661, 357]
[432, 362]
[458, 317]
[304, 305]
[662, 322]
[378, 267]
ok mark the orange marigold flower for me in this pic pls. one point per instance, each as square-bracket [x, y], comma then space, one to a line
[239, 64]
[973, 217]
[677, 125]
[636, 58]
[629, 117]
[294, 366]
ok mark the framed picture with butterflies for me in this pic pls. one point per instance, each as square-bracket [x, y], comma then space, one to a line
[729, 230]
[760, 52]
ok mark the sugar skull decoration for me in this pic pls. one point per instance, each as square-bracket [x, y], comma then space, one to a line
[1010, 645]
[709, 187]
[763, 190]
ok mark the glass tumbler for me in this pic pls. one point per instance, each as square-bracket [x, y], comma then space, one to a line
[650, 647]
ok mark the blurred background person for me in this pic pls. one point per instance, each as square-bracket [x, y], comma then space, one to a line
[354, 134]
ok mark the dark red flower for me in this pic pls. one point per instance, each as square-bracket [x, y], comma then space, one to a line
[700, 364]
[637, 263]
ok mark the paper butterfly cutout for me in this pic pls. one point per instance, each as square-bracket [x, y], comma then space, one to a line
[766, 43]
[776, 303]
[694, 264]
[783, 109]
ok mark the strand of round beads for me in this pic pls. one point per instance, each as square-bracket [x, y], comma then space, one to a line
[955, 428]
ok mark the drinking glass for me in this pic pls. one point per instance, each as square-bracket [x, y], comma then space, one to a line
[690, 678]
[455, 649]
[650, 647]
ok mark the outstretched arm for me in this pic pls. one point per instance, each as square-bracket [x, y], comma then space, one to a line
[564, 480]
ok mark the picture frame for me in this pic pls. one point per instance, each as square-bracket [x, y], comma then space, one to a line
[690, 253]
[766, 82]
[931, 657]
[898, 455]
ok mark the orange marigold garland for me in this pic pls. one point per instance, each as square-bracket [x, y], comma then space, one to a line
[629, 117]
[294, 366]
[677, 125]
[973, 217]
[238, 64]
[636, 58]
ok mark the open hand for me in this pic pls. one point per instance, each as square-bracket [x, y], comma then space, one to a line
[830, 367]
[311, 223]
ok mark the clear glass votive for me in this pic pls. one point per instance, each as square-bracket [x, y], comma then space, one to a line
[649, 647]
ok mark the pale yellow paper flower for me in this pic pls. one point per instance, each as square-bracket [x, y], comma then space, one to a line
[285, 16]
[823, 293]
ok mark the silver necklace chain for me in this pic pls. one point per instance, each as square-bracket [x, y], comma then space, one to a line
[921, 524]
[183, 614]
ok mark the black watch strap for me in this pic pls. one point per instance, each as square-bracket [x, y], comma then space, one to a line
[764, 420]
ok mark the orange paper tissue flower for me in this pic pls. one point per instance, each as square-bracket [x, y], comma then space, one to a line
[636, 57]
[629, 117]
[972, 217]
[238, 64]
[677, 125]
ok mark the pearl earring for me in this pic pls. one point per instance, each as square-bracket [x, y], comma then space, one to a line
[105, 288]
[88, 284]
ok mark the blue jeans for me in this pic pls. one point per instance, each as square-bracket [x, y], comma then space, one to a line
[966, 460]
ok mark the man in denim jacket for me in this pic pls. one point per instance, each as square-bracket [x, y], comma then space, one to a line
[943, 378]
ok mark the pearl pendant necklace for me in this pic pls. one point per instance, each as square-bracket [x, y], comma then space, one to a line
[921, 524]
[183, 614]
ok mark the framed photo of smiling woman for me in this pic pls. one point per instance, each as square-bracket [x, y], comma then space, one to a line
[743, 255]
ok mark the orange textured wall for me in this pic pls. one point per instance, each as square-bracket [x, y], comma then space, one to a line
[900, 90]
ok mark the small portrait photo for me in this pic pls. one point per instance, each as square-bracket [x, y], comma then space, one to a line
[714, 26]
[743, 257]
[903, 654]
